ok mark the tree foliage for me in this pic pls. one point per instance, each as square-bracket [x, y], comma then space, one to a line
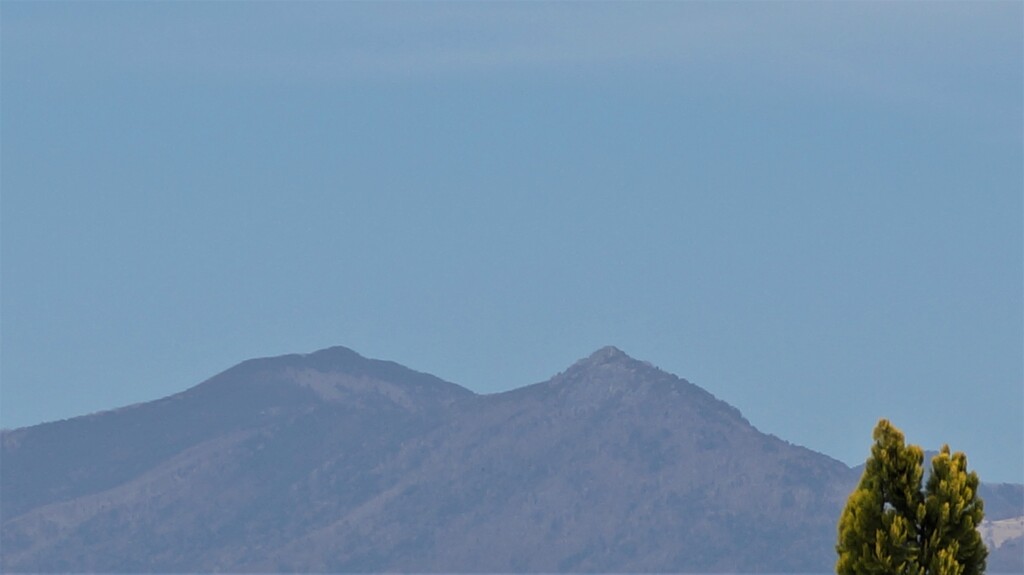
[890, 526]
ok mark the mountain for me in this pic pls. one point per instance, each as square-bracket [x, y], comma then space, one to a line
[1003, 527]
[196, 478]
[332, 462]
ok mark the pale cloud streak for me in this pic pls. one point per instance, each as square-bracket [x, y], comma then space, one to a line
[902, 53]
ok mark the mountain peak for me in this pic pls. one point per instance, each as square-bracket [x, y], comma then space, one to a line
[607, 354]
[608, 357]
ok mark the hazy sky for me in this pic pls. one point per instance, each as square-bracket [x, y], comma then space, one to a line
[812, 210]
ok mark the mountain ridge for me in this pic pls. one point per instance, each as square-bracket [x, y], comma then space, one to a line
[331, 461]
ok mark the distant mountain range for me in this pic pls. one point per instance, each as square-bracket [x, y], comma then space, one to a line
[332, 462]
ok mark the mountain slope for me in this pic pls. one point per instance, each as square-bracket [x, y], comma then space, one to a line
[187, 479]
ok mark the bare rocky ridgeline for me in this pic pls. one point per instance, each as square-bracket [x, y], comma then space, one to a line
[334, 462]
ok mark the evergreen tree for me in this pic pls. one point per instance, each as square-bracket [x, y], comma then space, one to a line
[891, 527]
[953, 511]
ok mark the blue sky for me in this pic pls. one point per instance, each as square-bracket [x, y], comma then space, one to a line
[813, 210]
